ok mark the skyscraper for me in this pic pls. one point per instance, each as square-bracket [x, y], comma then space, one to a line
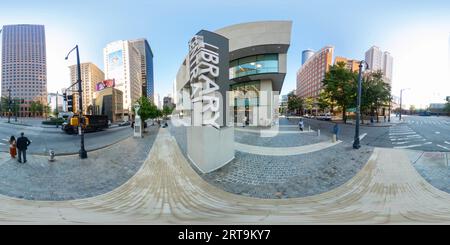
[90, 76]
[306, 54]
[146, 66]
[387, 65]
[24, 65]
[123, 64]
[312, 73]
[379, 61]
[374, 58]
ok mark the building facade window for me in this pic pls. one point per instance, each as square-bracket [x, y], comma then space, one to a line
[252, 65]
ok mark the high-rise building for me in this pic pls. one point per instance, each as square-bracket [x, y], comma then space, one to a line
[374, 58]
[146, 66]
[24, 65]
[306, 54]
[379, 61]
[90, 76]
[157, 101]
[387, 65]
[123, 64]
[351, 65]
[312, 73]
[168, 102]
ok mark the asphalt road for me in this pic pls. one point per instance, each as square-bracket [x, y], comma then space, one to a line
[415, 132]
[52, 138]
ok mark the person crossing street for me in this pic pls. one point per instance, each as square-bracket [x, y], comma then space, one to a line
[301, 124]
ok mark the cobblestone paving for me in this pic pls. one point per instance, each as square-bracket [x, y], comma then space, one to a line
[435, 168]
[284, 177]
[281, 140]
[69, 177]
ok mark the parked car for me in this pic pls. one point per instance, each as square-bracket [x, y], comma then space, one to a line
[324, 117]
[145, 124]
[122, 124]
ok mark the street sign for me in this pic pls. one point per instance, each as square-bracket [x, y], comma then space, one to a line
[351, 110]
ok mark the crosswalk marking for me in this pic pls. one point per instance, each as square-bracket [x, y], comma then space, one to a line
[403, 137]
[412, 146]
[405, 142]
[448, 149]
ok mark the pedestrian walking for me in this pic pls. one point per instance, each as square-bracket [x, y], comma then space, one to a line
[244, 121]
[336, 130]
[301, 124]
[384, 118]
[12, 147]
[22, 145]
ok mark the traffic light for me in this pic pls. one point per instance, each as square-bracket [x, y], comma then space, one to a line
[70, 103]
[65, 96]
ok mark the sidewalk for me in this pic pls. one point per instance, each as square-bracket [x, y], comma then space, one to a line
[166, 190]
[70, 177]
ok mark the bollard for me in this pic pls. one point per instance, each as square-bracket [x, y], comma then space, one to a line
[318, 132]
[333, 138]
[309, 128]
[52, 156]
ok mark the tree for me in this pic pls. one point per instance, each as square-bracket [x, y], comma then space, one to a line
[147, 110]
[341, 85]
[376, 93]
[167, 110]
[447, 108]
[295, 103]
[4, 105]
[412, 109]
[324, 101]
[309, 104]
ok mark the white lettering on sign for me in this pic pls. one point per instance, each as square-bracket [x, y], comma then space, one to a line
[203, 72]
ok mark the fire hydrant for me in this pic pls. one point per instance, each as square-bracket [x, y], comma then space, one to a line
[52, 156]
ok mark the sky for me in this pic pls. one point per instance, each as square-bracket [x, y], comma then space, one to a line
[416, 33]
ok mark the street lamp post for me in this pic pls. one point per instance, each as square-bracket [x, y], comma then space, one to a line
[356, 143]
[82, 153]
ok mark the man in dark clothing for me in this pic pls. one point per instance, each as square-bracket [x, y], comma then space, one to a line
[336, 130]
[22, 145]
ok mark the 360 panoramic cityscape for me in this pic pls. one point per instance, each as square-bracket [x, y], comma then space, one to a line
[249, 115]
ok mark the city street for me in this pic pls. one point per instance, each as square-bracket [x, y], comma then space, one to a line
[415, 132]
[45, 138]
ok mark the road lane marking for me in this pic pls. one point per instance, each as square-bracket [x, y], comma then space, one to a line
[361, 137]
[437, 132]
[412, 146]
[405, 142]
[412, 137]
[448, 149]
[448, 143]
[399, 134]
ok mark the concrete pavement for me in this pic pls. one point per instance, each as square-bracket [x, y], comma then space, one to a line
[166, 190]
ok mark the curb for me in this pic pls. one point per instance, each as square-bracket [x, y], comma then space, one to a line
[76, 153]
